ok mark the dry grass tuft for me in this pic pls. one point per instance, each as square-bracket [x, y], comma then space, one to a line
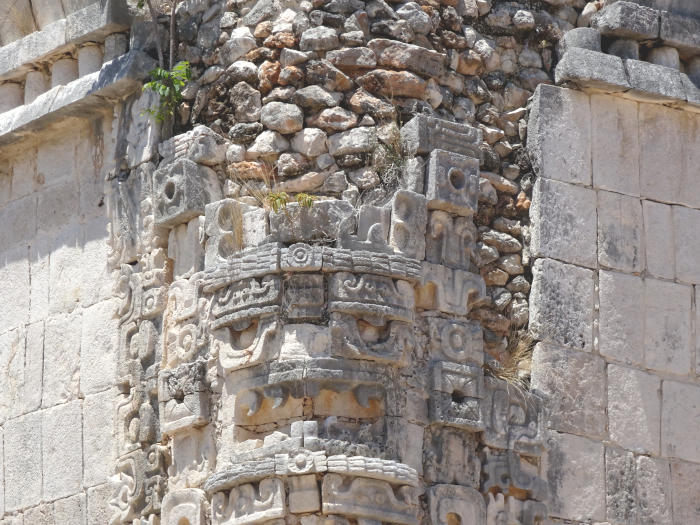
[514, 368]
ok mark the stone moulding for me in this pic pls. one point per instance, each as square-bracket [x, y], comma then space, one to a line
[117, 79]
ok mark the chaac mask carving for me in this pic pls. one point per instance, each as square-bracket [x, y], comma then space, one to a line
[316, 365]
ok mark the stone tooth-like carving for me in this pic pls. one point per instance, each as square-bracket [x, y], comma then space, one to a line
[373, 225]
[456, 396]
[301, 257]
[370, 338]
[375, 468]
[250, 503]
[449, 290]
[369, 498]
[251, 262]
[246, 343]
[464, 502]
[137, 418]
[186, 506]
[137, 353]
[246, 299]
[456, 341]
[505, 470]
[193, 456]
[182, 190]
[452, 183]
[183, 397]
[304, 296]
[513, 418]
[141, 481]
[230, 226]
[183, 336]
[409, 215]
[301, 463]
[450, 240]
[143, 295]
[449, 456]
[423, 134]
[370, 295]
[304, 494]
[201, 145]
[389, 265]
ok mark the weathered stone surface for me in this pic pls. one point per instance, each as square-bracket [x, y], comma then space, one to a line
[653, 82]
[576, 474]
[324, 220]
[23, 462]
[561, 304]
[680, 420]
[62, 450]
[574, 386]
[393, 83]
[583, 37]
[358, 140]
[615, 163]
[659, 152]
[399, 55]
[660, 248]
[627, 20]
[591, 69]
[620, 232]
[563, 222]
[285, 118]
[634, 409]
[684, 483]
[685, 221]
[559, 150]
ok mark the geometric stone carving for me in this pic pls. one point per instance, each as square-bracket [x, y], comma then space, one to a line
[456, 396]
[185, 506]
[453, 183]
[304, 296]
[375, 468]
[464, 502]
[231, 226]
[409, 216]
[449, 290]
[373, 224]
[369, 498]
[505, 470]
[246, 299]
[370, 296]
[456, 341]
[449, 456]
[182, 190]
[370, 338]
[246, 343]
[450, 240]
[250, 503]
[183, 397]
[201, 145]
[423, 134]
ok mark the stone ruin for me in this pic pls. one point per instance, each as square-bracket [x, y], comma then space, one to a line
[482, 310]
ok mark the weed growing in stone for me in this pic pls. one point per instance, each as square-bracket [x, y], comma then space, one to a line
[168, 85]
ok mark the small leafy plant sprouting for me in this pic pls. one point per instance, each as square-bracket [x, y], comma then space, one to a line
[278, 200]
[169, 85]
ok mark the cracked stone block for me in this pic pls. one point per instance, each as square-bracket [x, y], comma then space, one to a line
[660, 151]
[574, 386]
[620, 232]
[686, 223]
[576, 476]
[61, 359]
[561, 304]
[615, 162]
[660, 249]
[634, 409]
[563, 222]
[680, 421]
[560, 150]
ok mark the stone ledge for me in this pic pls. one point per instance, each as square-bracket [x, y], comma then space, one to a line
[92, 23]
[87, 94]
[596, 71]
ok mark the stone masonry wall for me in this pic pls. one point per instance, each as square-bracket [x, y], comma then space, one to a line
[615, 218]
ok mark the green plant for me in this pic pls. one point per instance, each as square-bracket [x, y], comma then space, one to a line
[305, 200]
[278, 200]
[169, 85]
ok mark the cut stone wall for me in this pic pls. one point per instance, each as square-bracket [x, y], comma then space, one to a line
[614, 230]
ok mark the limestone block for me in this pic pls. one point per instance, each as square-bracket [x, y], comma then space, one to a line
[304, 296]
[452, 182]
[574, 386]
[29, 380]
[685, 479]
[651, 82]
[615, 162]
[409, 216]
[46, 12]
[185, 248]
[98, 346]
[450, 240]
[665, 56]
[621, 481]
[621, 317]
[592, 70]
[11, 96]
[184, 506]
[231, 226]
[563, 222]
[97, 277]
[93, 21]
[71, 510]
[115, 45]
[357, 140]
[19, 218]
[660, 250]
[12, 345]
[64, 71]
[89, 59]
[627, 20]
[98, 507]
[660, 151]
[561, 304]
[55, 161]
[54, 208]
[654, 490]
[624, 48]
[65, 271]
[634, 409]
[41, 515]
[23, 462]
[143, 133]
[667, 326]
[304, 494]
[559, 149]
[620, 232]
[423, 134]
[446, 501]
[2, 472]
[14, 269]
[576, 477]
[682, 32]
[182, 190]
[584, 37]
[449, 290]
[690, 182]
[680, 421]
[62, 450]
[36, 83]
[327, 219]
[19, 21]
[61, 358]
[686, 221]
